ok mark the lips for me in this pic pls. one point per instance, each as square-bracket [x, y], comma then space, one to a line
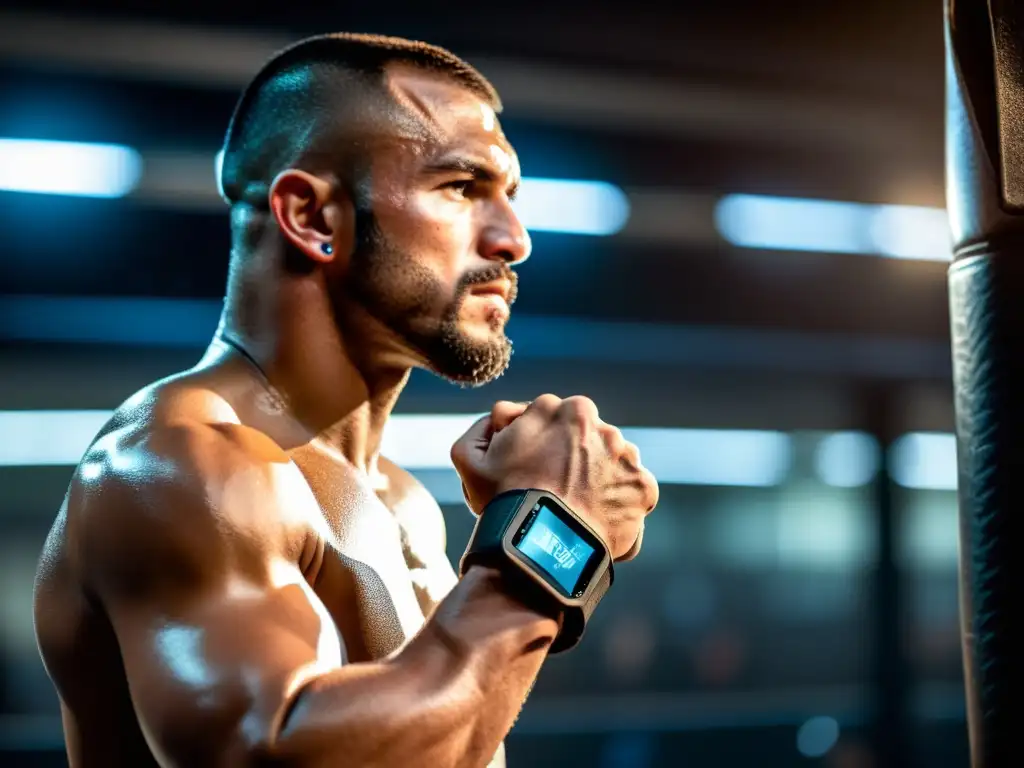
[500, 288]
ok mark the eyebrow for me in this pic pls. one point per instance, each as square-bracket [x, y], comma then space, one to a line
[478, 169]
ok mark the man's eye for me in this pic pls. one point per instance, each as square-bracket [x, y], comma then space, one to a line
[462, 187]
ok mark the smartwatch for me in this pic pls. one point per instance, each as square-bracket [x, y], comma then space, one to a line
[550, 557]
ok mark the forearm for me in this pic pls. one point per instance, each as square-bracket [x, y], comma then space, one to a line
[448, 699]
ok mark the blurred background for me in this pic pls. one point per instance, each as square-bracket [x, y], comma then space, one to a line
[740, 254]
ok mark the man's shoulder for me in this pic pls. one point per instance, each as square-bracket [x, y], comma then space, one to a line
[169, 434]
[161, 473]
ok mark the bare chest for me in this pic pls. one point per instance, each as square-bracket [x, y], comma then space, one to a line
[377, 569]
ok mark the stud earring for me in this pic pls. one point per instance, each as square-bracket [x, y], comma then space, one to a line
[327, 248]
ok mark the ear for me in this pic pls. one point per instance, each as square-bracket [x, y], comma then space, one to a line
[311, 215]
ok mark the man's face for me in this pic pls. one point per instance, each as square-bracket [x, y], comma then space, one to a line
[436, 234]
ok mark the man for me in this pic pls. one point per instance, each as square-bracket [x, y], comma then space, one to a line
[237, 577]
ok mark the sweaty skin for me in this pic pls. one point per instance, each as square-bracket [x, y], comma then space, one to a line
[221, 574]
[236, 577]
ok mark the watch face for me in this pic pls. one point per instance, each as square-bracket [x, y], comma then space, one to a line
[560, 548]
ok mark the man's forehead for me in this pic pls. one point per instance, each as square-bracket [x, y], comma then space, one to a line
[453, 116]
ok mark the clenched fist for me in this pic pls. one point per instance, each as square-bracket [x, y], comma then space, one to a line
[563, 447]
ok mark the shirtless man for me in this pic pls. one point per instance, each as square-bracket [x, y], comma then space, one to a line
[236, 576]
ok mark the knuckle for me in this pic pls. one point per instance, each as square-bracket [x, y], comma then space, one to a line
[653, 491]
[503, 413]
[612, 432]
[579, 401]
[456, 452]
[612, 436]
[579, 408]
[546, 403]
[504, 406]
[630, 451]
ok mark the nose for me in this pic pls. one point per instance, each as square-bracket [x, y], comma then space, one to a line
[506, 239]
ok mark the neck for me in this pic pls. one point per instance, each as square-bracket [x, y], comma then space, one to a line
[336, 378]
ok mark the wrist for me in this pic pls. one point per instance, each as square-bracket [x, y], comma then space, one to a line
[548, 558]
[488, 607]
[505, 587]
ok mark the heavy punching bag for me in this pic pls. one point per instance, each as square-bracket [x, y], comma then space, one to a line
[985, 199]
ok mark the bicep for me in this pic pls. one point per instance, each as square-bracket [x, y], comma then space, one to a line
[217, 628]
[211, 676]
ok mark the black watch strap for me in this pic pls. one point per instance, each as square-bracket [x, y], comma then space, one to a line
[486, 549]
[574, 620]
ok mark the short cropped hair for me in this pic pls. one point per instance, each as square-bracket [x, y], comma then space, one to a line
[299, 104]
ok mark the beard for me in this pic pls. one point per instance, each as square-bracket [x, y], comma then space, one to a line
[411, 302]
